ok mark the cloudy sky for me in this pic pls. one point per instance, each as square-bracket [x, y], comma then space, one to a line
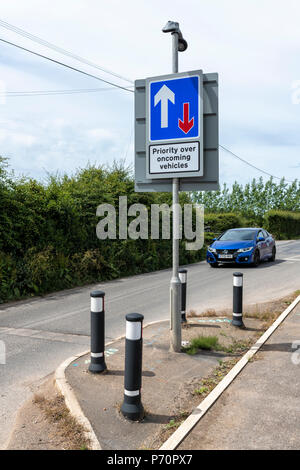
[254, 46]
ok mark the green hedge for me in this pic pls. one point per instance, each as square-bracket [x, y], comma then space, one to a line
[48, 236]
[39, 272]
[55, 246]
[283, 224]
[218, 223]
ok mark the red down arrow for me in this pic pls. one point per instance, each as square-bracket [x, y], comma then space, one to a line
[186, 125]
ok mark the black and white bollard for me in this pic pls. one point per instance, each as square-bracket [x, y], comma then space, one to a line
[183, 278]
[97, 364]
[237, 315]
[132, 407]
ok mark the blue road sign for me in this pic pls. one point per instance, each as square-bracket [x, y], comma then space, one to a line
[174, 109]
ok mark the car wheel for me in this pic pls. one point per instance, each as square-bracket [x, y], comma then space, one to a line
[214, 265]
[256, 259]
[273, 254]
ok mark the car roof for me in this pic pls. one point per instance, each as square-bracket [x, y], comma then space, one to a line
[245, 228]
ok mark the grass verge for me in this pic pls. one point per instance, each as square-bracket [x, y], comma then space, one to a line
[211, 343]
[202, 342]
[176, 421]
[66, 427]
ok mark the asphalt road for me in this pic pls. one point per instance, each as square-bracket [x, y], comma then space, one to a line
[40, 333]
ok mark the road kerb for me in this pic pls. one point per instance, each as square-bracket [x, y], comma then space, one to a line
[72, 402]
[187, 426]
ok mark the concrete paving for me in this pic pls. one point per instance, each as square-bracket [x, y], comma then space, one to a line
[260, 409]
[59, 324]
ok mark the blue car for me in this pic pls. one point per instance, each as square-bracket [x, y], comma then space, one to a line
[242, 246]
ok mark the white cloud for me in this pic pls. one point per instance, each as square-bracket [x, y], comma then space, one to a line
[100, 134]
[8, 137]
[253, 45]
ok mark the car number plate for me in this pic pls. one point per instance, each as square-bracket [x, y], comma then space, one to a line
[226, 256]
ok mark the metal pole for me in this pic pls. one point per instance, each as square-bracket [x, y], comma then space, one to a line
[175, 52]
[175, 285]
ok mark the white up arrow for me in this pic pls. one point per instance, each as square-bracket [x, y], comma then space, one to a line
[164, 95]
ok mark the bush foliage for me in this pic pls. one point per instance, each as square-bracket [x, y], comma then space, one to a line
[252, 200]
[48, 230]
[218, 223]
[283, 224]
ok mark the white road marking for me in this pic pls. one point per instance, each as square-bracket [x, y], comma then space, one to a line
[47, 335]
[289, 259]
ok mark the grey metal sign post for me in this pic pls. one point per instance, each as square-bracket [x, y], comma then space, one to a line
[176, 145]
[175, 285]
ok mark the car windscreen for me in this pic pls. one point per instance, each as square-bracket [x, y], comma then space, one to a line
[238, 235]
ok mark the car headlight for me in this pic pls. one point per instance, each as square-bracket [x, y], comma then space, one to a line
[244, 250]
[211, 250]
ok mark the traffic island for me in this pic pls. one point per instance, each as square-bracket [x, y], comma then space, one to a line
[171, 382]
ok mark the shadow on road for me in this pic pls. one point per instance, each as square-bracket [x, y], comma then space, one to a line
[283, 347]
[159, 419]
[203, 324]
[262, 265]
[254, 329]
[120, 373]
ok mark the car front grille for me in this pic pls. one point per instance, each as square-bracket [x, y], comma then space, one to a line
[226, 252]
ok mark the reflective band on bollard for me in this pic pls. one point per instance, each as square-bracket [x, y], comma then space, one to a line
[237, 314]
[183, 279]
[132, 407]
[97, 364]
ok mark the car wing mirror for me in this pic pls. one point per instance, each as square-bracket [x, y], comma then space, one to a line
[261, 239]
